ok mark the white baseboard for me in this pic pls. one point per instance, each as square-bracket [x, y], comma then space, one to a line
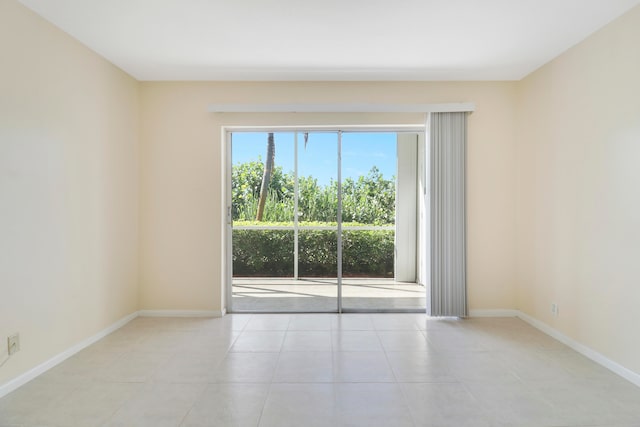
[573, 344]
[59, 358]
[182, 313]
[588, 352]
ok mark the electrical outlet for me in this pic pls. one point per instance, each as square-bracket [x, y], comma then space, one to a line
[554, 309]
[13, 343]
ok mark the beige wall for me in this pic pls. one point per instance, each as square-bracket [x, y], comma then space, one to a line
[579, 191]
[181, 178]
[553, 190]
[68, 190]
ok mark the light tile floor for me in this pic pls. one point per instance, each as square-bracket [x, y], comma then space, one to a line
[325, 370]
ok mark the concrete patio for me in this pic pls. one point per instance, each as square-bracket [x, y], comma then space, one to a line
[320, 295]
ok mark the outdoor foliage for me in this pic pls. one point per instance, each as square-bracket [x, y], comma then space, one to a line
[266, 253]
[370, 199]
[269, 253]
[245, 191]
[367, 200]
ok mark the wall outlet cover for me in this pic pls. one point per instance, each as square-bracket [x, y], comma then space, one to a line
[13, 344]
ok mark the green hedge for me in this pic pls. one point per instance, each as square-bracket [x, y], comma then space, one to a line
[266, 253]
[269, 253]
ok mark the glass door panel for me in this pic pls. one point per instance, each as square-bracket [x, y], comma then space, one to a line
[317, 218]
[263, 235]
[284, 211]
[369, 197]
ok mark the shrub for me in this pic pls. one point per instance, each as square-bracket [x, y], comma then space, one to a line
[269, 253]
[318, 253]
[263, 253]
[368, 253]
[369, 199]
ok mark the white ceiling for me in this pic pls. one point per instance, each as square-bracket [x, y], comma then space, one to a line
[329, 39]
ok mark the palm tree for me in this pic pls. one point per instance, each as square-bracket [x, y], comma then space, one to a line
[266, 177]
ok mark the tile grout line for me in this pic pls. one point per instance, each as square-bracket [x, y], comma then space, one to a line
[264, 404]
[402, 344]
[184, 417]
[395, 377]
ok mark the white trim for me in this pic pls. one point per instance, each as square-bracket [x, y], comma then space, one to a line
[398, 128]
[499, 312]
[600, 359]
[61, 357]
[182, 313]
[588, 352]
[296, 207]
[226, 290]
[339, 229]
[341, 108]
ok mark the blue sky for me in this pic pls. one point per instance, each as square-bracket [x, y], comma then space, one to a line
[360, 151]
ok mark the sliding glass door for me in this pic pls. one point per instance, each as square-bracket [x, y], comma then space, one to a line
[314, 222]
[368, 213]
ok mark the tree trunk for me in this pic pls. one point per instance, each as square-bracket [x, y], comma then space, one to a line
[266, 177]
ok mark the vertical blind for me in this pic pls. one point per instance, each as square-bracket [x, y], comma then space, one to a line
[448, 146]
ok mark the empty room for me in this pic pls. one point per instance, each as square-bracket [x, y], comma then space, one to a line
[336, 213]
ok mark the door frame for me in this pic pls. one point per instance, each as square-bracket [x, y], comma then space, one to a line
[227, 220]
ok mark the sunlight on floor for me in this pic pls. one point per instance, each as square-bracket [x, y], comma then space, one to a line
[268, 294]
